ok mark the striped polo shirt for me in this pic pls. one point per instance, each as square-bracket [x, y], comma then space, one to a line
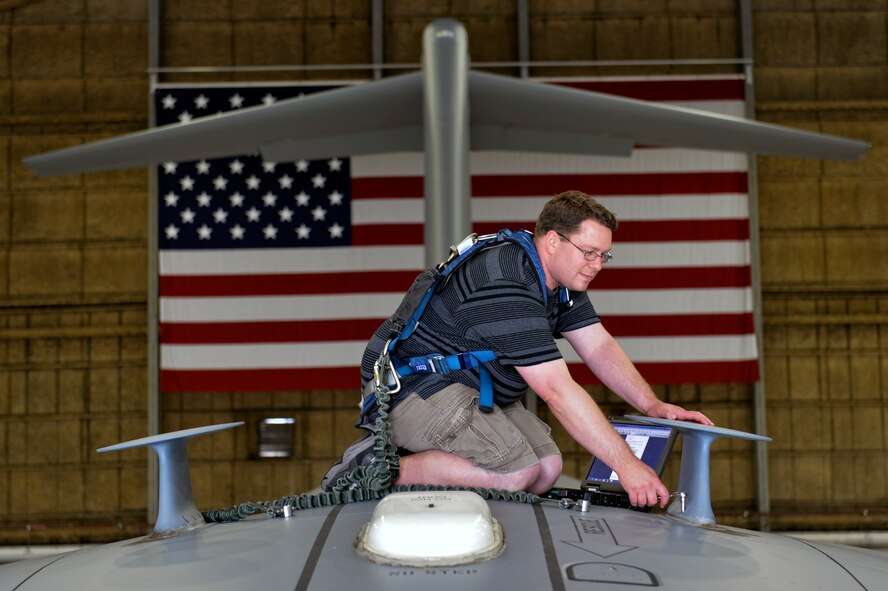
[493, 301]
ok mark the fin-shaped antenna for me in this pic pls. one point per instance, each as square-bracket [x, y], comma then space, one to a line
[175, 508]
[693, 478]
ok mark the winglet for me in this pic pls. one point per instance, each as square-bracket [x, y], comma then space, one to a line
[693, 478]
[175, 509]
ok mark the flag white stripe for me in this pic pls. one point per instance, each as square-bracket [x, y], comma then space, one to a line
[348, 353]
[679, 254]
[344, 259]
[267, 308]
[260, 356]
[381, 305]
[678, 349]
[644, 161]
[657, 302]
[626, 208]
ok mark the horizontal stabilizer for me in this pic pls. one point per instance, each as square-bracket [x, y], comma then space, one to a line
[509, 102]
[402, 139]
[391, 103]
[511, 138]
[387, 116]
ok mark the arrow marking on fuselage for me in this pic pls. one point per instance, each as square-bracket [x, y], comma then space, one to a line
[595, 532]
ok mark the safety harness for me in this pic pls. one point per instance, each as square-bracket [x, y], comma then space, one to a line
[389, 368]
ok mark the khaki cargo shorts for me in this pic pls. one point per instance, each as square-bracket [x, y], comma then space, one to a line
[507, 440]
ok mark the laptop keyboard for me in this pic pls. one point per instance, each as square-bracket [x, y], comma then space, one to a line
[596, 497]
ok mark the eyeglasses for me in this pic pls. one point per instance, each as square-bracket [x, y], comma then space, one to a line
[590, 255]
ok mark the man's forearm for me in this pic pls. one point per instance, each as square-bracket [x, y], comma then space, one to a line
[616, 371]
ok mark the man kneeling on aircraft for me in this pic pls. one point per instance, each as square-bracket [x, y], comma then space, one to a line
[494, 302]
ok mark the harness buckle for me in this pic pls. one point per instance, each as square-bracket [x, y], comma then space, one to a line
[439, 364]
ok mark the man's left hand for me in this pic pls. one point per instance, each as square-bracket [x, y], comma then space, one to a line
[664, 410]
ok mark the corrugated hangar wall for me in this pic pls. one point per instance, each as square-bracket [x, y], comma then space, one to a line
[73, 250]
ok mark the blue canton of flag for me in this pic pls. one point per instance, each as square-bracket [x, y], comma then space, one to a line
[244, 202]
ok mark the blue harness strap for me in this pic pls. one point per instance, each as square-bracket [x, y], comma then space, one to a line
[403, 325]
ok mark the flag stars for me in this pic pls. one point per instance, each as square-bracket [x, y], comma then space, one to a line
[270, 232]
[245, 201]
[269, 199]
[336, 231]
[335, 198]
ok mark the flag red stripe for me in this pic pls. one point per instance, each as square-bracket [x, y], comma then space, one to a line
[261, 380]
[676, 325]
[684, 372]
[536, 185]
[291, 331]
[628, 231]
[667, 90]
[330, 378]
[360, 329]
[399, 281]
[286, 284]
[673, 278]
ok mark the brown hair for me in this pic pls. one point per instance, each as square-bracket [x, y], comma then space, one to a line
[565, 212]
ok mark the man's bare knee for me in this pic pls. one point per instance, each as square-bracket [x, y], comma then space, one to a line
[550, 470]
[519, 480]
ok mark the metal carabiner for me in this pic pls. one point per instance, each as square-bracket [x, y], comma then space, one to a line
[380, 368]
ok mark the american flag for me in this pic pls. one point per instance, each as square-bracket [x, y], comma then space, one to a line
[273, 275]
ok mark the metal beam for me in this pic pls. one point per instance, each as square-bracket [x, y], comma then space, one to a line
[446, 116]
[154, 402]
[759, 409]
[523, 36]
[378, 37]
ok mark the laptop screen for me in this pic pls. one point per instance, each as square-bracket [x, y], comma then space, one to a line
[652, 444]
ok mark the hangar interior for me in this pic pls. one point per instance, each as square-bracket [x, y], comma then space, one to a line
[76, 346]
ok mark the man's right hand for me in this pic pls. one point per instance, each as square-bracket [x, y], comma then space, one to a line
[642, 485]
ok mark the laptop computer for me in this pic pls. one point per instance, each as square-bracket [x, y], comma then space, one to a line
[652, 444]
